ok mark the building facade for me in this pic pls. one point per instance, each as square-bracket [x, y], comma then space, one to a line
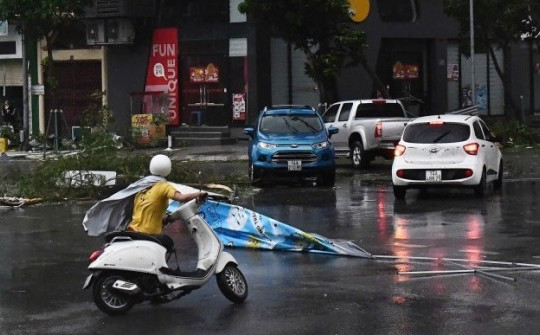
[412, 46]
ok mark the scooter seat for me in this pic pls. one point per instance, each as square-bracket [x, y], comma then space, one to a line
[163, 239]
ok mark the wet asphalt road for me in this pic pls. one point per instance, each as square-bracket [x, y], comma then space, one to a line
[44, 258]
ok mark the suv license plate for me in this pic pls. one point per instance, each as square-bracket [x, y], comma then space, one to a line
[433, 175]
[294, 165]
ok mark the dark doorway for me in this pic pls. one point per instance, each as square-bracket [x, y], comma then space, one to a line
[76, 81]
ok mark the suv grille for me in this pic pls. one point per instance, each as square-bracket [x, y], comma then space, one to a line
[281, 157]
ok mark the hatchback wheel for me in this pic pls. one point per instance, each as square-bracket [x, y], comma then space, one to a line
[498, 183]
[399, 192]
[481, 189]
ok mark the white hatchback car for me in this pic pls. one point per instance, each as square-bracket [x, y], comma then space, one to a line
[447, 150]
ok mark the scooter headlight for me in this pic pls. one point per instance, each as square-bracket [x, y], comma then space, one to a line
[321, 145]
[267, 146]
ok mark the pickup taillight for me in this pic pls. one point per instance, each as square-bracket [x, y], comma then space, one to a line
[378, 130]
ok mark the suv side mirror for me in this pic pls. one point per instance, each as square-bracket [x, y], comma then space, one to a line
[249, 131]
[332, 130]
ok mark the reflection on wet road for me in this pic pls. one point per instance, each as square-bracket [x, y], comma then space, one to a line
[45, 257]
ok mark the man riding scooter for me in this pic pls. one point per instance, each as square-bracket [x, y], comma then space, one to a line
[132, 267]
[141, 206]
[150, 204]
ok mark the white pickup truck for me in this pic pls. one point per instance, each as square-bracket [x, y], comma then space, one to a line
[367, 128]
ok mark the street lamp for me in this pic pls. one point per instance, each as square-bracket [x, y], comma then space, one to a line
[471, 23]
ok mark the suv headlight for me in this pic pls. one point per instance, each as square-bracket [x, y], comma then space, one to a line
[267, 146]
[321, 145]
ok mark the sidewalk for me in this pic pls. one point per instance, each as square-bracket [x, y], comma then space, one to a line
[225, 152]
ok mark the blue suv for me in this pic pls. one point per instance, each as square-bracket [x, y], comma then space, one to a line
[291, 141]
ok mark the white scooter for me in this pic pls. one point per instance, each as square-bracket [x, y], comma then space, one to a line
[132, 267]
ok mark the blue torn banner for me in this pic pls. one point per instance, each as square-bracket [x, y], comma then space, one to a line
[237, 226]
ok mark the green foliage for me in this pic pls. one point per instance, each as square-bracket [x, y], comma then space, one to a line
[96, 114]
[319, 28]
[7, 132]
[38, 19]
[99, 152]
[496, 21]
[515, 133]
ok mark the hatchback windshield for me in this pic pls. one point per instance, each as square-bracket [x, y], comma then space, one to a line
[436, 133]
[298, 124]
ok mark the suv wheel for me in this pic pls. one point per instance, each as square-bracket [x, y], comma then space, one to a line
[327, 178]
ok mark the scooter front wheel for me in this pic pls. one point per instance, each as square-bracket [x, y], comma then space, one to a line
[109, 300]
[232, 283]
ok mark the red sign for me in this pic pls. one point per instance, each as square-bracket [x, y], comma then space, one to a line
[162, 72]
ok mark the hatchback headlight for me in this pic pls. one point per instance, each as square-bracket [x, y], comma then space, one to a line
[267, 146]
[321, 145]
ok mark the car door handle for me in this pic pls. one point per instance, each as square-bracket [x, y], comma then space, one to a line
[345, 125]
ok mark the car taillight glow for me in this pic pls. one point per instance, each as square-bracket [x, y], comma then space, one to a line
[400, 173]
[379, 102]
[468, 173]
[471, 148]
[95, 255]
[399, 150]
[436, 123]
[378, 129]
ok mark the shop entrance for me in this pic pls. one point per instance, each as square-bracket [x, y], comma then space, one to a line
[204, 90]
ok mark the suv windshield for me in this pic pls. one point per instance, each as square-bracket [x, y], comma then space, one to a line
[298, 124]
[436, 133]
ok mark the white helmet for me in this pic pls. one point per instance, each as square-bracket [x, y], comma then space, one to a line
[160, 165]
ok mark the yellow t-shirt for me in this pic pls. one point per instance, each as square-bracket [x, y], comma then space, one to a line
[149, 207]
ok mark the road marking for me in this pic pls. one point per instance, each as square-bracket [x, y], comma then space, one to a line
[397, 244]
[476, 251]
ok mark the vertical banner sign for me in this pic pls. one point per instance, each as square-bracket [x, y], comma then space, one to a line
[162, 72]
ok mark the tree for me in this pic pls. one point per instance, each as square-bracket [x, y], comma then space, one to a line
[43, 19]
[497, 24]
[320, 29]
[36, 20]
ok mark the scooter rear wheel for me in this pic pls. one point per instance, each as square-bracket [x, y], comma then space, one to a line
[232, 284]
[109, 300]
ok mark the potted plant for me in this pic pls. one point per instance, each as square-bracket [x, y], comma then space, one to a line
[6, 135]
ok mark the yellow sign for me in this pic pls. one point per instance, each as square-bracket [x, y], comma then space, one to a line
[358, 10]
[145, 132]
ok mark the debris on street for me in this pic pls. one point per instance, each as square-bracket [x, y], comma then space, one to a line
[18, 202]
[237, 226]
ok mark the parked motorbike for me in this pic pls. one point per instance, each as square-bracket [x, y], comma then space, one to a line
[132, 267]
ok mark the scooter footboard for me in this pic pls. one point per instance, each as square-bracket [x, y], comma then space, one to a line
[224, 259]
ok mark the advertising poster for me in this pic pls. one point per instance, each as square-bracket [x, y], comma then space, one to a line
[162, 72]
[239, 106]
[145, 132]
[200, 74]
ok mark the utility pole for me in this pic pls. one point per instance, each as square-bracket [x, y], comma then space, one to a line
[24, 144]
[473, 68]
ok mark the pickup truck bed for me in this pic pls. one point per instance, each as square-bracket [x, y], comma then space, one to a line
[367, 128]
